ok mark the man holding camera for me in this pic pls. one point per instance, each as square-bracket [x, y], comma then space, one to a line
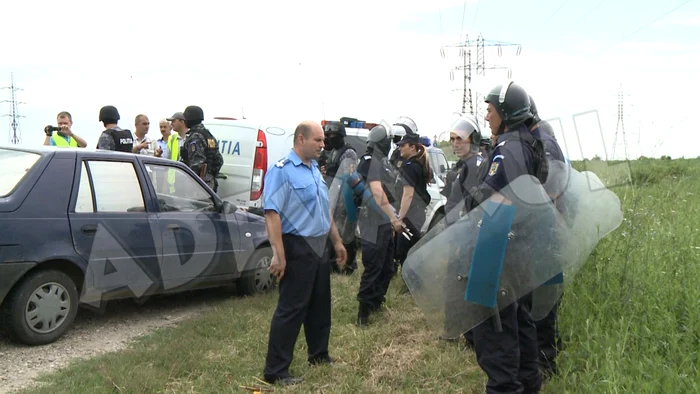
[64, 137]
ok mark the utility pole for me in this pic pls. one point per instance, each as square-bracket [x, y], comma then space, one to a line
[620, 125]
[471, 104]
[15, 136]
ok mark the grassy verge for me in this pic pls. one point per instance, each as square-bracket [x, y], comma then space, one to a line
[226, 348]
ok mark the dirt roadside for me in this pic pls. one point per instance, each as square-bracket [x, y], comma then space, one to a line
[93, 334]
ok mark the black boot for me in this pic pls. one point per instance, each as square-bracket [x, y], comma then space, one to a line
[363, 315]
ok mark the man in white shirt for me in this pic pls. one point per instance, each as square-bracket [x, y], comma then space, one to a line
[143, 143]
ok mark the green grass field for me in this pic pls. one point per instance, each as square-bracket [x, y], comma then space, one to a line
[630, 322]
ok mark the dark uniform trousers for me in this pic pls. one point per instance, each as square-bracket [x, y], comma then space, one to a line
[351, 263]
[549, 340]
[378, 260]
[495, 350]
[304, 298]
[403, 245]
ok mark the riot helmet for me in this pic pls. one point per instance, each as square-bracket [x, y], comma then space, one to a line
[109, 114]
[407, 123]
[533, 110]
[486, 143]
[334, 135]
[547, 129]
[193, 115]
[378, 140]
[467, 126]
[512, 103]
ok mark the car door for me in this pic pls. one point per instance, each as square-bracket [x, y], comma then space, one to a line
[198, 242]
[114, 230]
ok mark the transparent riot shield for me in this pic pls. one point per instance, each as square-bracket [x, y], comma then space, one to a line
[590, 212]
[485, 261]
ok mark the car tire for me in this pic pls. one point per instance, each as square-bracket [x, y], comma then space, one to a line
[256, 279]
[50, 291]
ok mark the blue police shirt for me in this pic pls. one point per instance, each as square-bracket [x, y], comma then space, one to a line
[299, 194]
[551, 146]
[509, 160]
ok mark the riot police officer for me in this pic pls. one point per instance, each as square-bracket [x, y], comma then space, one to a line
[548, 337]
[114, 137]
[409, 127]
[200, 150]
[465, 138]
[378, 222]
[339, 162]
[509, 354]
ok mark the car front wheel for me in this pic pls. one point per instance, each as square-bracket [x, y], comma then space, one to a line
[41, 308]
[257, 279]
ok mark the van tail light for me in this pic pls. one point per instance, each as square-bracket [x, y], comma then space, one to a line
[259, 167]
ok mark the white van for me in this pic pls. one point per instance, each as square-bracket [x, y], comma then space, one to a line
[248, 149]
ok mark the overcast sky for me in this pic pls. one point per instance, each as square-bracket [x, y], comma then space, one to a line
[284, 61]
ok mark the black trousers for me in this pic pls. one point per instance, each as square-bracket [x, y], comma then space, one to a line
[378, 260]
[403, 245]
[510, 358]
[351, 263]
[304, 298]
[549, 340]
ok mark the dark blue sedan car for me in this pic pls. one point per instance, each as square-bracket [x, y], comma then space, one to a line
[81, 227]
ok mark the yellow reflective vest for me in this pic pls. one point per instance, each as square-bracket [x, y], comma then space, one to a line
[174, 148]
[62, 143]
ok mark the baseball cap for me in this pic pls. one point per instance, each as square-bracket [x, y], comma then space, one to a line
[412, 138]
[176, 115]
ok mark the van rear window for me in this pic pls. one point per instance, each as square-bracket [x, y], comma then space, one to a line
[15, 165]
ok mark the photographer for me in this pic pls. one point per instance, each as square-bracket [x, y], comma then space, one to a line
[62, 136]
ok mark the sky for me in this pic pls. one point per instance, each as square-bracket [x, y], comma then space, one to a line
[281, 62]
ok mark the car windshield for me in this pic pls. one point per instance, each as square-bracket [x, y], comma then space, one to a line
[15, 165]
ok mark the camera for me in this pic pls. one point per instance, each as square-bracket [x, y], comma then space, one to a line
[50, 129]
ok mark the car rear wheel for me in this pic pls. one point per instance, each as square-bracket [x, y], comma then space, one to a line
[41, 308]
[257, 279]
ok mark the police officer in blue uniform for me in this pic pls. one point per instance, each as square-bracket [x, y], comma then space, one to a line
[510, 355]
[298, 221]
[378, 222]
[548, 337]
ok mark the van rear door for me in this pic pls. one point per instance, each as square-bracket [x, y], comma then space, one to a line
[237, 145]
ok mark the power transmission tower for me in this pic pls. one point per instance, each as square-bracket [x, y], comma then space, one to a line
[469, 104]
[620, 126]
[15, 136]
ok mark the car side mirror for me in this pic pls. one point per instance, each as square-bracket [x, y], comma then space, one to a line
[227, 207]
[442, 168]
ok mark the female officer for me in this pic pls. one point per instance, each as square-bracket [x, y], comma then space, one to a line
[412, 189]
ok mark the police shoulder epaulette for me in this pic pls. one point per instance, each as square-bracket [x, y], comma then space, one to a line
[282, 162]
[502, 143]
[367, 157]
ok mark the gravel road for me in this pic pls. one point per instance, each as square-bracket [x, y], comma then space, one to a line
[93, 334]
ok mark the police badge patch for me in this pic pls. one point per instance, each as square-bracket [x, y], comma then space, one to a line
[193, 148]
[493, 169]
[212, 143]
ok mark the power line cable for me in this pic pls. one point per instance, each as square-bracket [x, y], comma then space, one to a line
[640, 29]
[555, 12]
[657, 19]
[475, 13]
[464, 11]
